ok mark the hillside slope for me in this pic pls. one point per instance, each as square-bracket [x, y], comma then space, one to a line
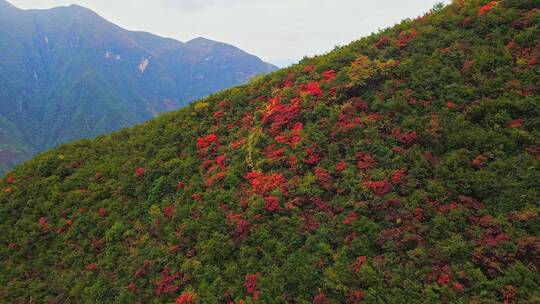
[402, 168]
[67, 73]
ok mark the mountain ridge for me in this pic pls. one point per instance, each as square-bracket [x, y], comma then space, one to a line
[49, 55]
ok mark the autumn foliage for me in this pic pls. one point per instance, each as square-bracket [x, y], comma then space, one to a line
[400, 168]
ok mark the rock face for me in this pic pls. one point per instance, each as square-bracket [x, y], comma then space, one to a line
[66, 73]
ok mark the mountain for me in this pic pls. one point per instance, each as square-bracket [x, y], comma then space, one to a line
[67, 73]
[402, 168]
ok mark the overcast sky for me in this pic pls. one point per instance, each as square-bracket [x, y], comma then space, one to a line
[278, 31]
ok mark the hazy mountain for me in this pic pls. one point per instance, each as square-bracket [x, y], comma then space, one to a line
[67, 73]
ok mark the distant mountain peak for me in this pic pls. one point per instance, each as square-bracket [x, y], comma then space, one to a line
[5, 4]
[200, 40]
[78, 9]
[91, 76]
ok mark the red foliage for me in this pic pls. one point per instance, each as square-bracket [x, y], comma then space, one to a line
[466, 21]
[210, 140]
[432, 160]
[355, 296]
[132, 286]
[322, 206]
[324, 178]
[310, 221]
[404, 38]
[292, 162]
[491, 238]
[91, 266]
[180, 185]
[251, 285]
[97, 244]
[351, 218]
[220, 161]
[235, 144]
[292, 138]
[457, 287]
[218, 114]
[382, 43]
[12, 246]
[406, 138]
[509, 293]
[102, 212]
[445, 276]
[262, 183]
[271, 153]
[319, 298]
[398, 176]
[479, 161]
[166, 284]
[359, 262]
[10, 179]
[348, 121]
[364, 161]
[516, 123]
[342, 165]
[486, 8]
[358, 104]
[313, 155]
[139, 171]
[419, 214]
[533, 150]
[98, 177]
[141, 271]
[169, 211]
[271, 203]
[196, 197]
[467, 65]
[227, 298]
[379, 188]
[279, 114]
[309, 68]
[187, 297]
[446, 208]
[44, 224]
[329, 75]
[242, 228]
[312, 89]
[533, 61]
[374, 117]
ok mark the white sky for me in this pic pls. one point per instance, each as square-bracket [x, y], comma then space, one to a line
[278, 31]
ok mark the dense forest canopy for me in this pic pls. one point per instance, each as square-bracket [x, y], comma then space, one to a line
[402, 168]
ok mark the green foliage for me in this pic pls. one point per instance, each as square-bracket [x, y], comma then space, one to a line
[402, 168]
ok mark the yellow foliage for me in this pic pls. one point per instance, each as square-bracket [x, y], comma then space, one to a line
[363, 69]
[251, 146]
[201, 106]
[154, 212]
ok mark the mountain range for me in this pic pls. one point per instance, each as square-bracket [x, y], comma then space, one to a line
[401, 168]
[66, 73]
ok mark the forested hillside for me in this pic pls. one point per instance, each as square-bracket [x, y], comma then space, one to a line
[66, 73]
[402, 168]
